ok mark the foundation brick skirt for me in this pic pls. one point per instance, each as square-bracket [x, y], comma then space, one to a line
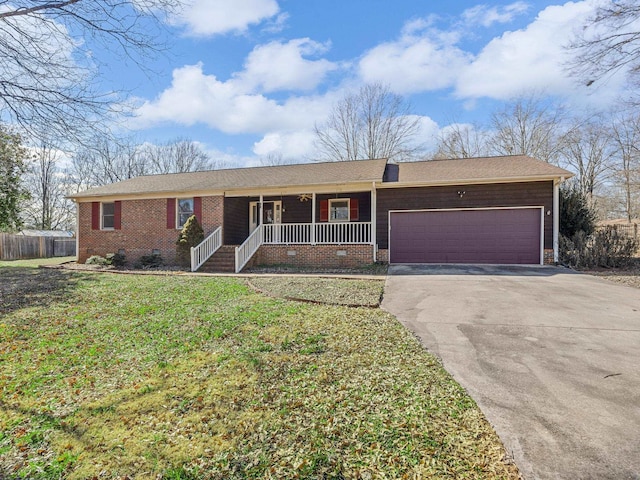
[315, 256]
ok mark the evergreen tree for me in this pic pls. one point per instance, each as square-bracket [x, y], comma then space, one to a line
[190, 236]
[576, 213]
[12, 190]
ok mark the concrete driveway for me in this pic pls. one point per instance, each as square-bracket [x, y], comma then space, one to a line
[551, 357]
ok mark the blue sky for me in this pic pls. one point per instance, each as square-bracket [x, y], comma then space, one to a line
[249, 78]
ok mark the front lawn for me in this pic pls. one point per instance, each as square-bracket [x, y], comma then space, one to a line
[332, 291]
[180, 377]
[35, 262]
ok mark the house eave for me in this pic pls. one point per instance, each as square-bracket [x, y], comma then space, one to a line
[364, 186]
[470, 181]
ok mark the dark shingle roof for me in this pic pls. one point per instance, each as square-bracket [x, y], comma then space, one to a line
[478, 169]
[304, 174]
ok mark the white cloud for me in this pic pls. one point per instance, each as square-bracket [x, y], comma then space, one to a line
[533, 58]
[427, 127]
[295, 145]
[211, 17]
[195, 97]
[422, 59]
[487, 16]
[282, 66]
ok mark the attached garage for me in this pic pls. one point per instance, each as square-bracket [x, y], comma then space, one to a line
[472, 235]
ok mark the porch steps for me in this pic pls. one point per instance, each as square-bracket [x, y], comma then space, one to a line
[223, 261]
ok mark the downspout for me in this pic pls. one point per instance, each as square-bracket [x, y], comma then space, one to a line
[556, 218]
[374, 221]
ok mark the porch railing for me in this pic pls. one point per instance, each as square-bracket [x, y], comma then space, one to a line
[302, 233]
[317, 233]
[206, 248]
[250, 246]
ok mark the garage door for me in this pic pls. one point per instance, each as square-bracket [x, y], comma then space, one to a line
[504, 236]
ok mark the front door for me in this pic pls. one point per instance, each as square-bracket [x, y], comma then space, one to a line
[271, 213]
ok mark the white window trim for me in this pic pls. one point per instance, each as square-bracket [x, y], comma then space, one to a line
[348, 200]
[102, 227]
[193, 202]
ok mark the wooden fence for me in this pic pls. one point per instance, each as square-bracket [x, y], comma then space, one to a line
[15, 247]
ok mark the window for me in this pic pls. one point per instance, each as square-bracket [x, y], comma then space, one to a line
[339, 210]
[108, 215]
[185, 210]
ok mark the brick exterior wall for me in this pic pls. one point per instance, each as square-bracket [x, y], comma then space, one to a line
[383, 255]
[548, 256]
[143, 229]
[315, 256]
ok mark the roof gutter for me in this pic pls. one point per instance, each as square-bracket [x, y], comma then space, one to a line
[473, 181]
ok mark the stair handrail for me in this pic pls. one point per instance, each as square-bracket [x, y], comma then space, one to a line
[203, 251]
[250, 246]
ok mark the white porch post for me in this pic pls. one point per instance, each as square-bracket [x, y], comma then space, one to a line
[313, 218]
[374, 210]
[556, 218]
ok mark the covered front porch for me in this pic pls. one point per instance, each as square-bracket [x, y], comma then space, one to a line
[303, 219]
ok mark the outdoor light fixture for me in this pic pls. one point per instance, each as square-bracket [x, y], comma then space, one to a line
[461, 193]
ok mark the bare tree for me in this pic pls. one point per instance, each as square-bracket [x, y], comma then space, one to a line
[372, 123]
[608, 42]
[529, 126]
[107, 161]
[274, 159]
[48, 209]
[625, 132]
[177, 156]
[50, 60]
[588, 152]
[462, 140]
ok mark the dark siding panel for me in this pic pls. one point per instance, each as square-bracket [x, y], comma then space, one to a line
[236, 220]
[295, 211]
[475, 196]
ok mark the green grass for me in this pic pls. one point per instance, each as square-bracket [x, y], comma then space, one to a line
[179, 377]
[332, 291]
[35, 262]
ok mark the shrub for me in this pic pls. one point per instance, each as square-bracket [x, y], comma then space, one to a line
[607, 247]
[97, 260]
[116, 259]
[576, 213]
[190, 236]
[149, 261]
